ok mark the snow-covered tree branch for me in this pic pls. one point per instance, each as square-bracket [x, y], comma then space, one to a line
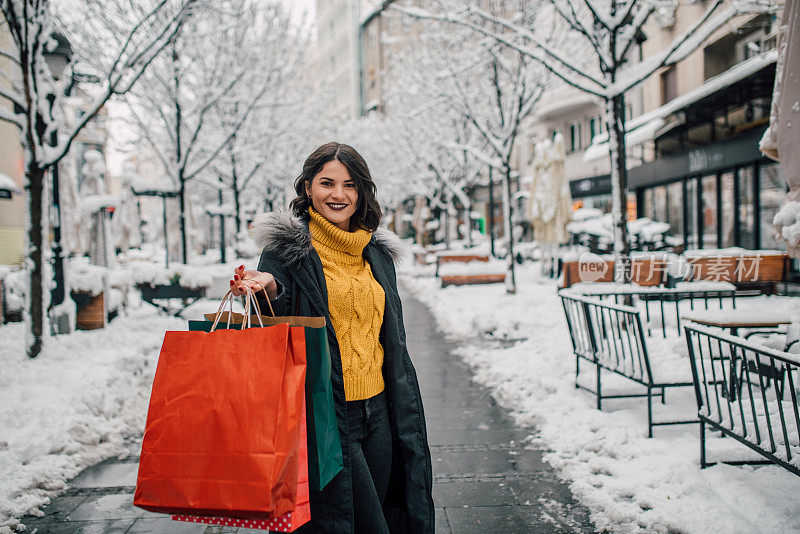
[38, 93]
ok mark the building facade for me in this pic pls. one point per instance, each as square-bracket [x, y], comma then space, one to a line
[705, 175]
[339, 52]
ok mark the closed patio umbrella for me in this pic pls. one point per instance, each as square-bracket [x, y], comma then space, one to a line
[550, 202]
[781, 139]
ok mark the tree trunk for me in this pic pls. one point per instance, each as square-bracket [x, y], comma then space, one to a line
[511, 280]
[491, 214]
[615, 113]
[35, 243]
[182, 207]
[237, 206]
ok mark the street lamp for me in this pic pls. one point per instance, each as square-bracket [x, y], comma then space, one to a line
[57, 59]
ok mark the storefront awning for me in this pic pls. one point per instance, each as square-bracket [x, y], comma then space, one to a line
[645, 127]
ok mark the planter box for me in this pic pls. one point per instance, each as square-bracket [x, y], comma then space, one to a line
[572, 273]
[713, 268]
[90, 310]
[171, 291]
[648, 272]
[758, 268]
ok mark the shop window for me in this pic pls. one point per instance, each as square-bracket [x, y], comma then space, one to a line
[727, 213]
[747, 237]
[660, 203]
[691, 213]
[772, 188]
[675, 209]
[708, 211]
[648, 210]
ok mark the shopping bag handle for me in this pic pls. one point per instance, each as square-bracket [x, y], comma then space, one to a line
[228, 298]
[258, 307]
[248, 298]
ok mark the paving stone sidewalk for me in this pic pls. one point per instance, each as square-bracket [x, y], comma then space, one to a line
[485, 478]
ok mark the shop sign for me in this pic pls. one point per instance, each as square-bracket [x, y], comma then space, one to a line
[702, 159]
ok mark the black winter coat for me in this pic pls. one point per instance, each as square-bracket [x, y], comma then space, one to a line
[290, 257]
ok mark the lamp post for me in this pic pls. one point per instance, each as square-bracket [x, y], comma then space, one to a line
[57, 59]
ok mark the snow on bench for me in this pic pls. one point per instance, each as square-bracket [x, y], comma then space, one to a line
[457, 273]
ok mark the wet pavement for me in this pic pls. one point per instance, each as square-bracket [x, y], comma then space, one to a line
[486, 479]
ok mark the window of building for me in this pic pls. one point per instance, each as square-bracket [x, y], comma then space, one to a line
[595, 127]
[747, 237]
[574, 137]
[691, 213]
[708, 211]
[727, 213]
[660, 203]
[675, 209]
[669, 84]
[648, 208]
[772, 191]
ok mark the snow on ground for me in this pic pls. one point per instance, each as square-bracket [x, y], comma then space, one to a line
[629, 482]
[81, 401]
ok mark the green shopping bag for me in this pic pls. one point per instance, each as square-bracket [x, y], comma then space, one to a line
[324, 445]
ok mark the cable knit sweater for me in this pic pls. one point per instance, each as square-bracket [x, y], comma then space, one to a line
[356, 303]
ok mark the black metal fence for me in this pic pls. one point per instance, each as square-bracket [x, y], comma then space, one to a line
[611, 337]
[748, 392]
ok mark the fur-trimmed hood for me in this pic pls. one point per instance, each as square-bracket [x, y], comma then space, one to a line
[288, 237]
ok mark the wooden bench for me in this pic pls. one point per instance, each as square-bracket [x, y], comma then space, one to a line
[465, 279]
[748, 392]
[611, 337]
[459, 258]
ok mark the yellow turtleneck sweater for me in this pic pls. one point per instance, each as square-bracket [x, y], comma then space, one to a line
[356, 303]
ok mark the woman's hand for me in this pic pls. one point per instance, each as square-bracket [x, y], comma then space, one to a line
[255, 280]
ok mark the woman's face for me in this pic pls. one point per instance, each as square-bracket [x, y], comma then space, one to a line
[333, 194]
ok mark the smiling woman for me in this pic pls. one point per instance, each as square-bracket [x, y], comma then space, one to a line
[337, 183]
[329, 258]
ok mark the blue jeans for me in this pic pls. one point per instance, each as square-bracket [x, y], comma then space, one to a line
[371, 459]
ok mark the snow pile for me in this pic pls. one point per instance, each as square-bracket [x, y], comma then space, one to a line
[787, 225]
[629, 482]
[79, 402]
[94, 203]
[188, 276]
[85, 277]
[458, 268]
[15, 283]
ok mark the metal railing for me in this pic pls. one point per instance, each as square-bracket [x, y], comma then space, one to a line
[748, 392]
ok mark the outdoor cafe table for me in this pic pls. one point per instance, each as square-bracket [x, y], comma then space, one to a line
[733, 320]
[683, 291]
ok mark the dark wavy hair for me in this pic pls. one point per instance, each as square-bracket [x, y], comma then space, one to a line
[368, 211]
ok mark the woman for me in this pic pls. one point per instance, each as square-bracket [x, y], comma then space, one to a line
[328, 258]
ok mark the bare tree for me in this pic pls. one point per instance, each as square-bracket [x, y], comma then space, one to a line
[607, 31]
[36, 93]
[212, 65]
[249, 156]
[489, 88]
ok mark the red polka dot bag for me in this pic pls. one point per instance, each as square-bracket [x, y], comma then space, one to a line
[285, 523]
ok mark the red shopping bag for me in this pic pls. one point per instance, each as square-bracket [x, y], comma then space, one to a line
[286, 523]
[223, 425]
